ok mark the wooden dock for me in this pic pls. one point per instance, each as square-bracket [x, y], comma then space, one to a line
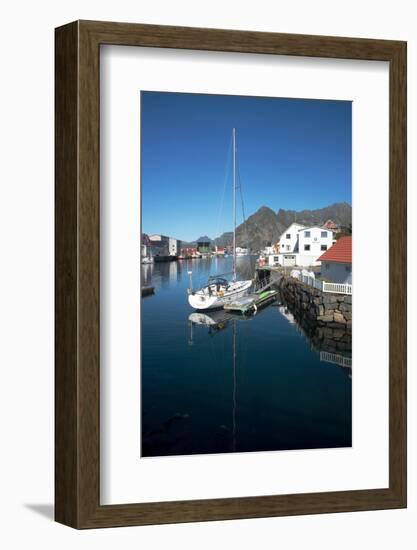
[251, 302]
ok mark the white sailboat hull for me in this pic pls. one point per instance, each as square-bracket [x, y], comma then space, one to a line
[202, 319]
[202, 299]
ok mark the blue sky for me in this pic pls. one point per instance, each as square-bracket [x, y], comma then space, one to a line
[293, 154]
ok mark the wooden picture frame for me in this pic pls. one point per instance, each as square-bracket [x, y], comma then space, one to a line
[77, 403]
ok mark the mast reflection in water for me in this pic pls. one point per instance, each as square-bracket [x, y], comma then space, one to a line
[219, 383]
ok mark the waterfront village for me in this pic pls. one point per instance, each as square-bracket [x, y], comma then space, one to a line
[318, 252]
[310, 267]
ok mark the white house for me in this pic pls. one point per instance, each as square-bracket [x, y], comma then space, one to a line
[271, 259]
[288, 242]
[312, 242]
[174, 247]
[336, 263]
[301, 246]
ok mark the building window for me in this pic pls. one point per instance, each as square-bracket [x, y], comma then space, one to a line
[324, 234]
[348, 268]
[307, 233]
[276, 258]
[288, 236]
[306, 247]
[327, 266]
[323, 247]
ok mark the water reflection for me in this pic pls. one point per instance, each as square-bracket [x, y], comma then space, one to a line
[334, 345]
[217, 382]
[167, 273]
[147, 274]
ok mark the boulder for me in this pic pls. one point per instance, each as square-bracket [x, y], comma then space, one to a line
[344, 346]
[338, 333]
[338, 318]
[329, 299]
[325, 318]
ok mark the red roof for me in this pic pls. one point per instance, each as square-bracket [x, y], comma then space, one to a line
[341, 251]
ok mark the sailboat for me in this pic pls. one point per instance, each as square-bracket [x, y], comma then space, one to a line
[219, 291]
[147, 258]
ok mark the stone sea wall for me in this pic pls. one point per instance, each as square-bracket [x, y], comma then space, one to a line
[316, 308]
[326, 319]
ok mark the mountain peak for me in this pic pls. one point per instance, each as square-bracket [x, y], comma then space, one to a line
[204, 239]
[266, 226]
[262, 209]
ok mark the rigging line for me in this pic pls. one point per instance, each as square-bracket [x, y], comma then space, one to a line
[240, 188]
[243, 207]
[243, 204]
[227, 168]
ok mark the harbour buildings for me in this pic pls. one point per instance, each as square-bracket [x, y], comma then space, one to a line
[330, 224]
[189, 252]
[336, 263]
[300, 246]
[160, 245]
[203, 246]
[174, 246]
[164, 248]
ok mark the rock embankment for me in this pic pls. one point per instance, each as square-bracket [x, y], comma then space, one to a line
[317, 308]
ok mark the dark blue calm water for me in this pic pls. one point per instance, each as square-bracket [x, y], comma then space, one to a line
[241, 385]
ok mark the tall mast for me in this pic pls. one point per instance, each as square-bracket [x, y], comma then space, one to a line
[234, 204]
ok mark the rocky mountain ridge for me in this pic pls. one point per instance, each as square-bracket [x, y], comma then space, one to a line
[266, 225]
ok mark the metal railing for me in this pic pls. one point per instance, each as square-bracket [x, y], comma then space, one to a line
[337, 288]
[335, 358]
[334, 288]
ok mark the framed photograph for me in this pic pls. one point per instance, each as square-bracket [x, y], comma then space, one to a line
[230, 274]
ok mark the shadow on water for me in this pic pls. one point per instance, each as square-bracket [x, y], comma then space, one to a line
[218, 382]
